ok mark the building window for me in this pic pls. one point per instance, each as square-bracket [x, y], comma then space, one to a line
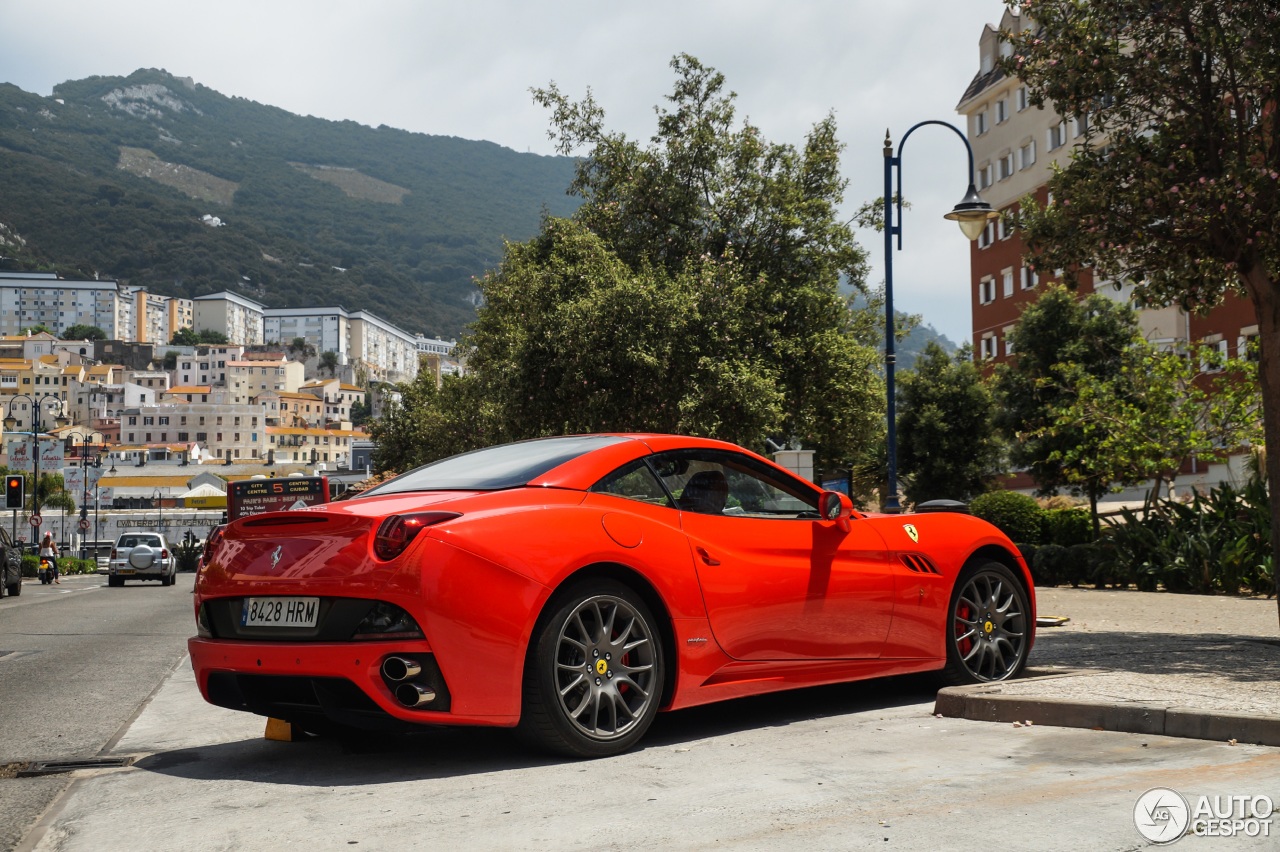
[1002, 111]
[987, 236]
[1029, 278]
[980, 123]
[986, 290]
[1081, 123]
[1058, 135]
[1006, 166]
[1007, 277]
[1023, 99]
[984, 176]
[1008, 345]
[989, 346]
[1027, 155]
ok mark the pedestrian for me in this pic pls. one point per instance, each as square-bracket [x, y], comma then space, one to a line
[49, 550]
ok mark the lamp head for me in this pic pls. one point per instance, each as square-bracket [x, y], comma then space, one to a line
[972, 213]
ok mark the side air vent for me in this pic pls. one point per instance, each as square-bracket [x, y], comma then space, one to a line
[919, 564]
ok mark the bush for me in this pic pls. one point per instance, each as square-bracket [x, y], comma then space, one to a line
[1049, 567]
[1017, 515]
[1067, 527]
[66, 565]
[1220, 542]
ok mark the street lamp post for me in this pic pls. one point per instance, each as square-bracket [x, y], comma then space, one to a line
[971, 214]
[159, 499]
[84, 497]
[37, 426]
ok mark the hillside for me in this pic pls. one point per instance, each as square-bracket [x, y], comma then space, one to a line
[160, 182]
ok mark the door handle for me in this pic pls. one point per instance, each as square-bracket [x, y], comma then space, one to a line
[707, 557]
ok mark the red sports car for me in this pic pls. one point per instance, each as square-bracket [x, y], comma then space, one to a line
[574, 586]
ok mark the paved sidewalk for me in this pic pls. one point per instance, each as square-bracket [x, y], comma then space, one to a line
[1177, 665]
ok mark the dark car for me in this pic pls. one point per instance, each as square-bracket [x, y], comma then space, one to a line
[10, 566]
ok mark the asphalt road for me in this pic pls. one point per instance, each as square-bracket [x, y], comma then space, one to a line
[857, 766]
[77, 661]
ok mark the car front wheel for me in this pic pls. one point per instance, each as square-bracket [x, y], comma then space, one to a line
[594, 674]
[988, 626]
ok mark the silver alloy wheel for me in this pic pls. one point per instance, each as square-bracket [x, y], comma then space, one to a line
[989, 626]
[605, 667]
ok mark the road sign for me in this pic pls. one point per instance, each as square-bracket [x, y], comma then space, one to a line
[85, 524]
[34, 520]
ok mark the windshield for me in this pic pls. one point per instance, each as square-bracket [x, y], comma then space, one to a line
[494, 468]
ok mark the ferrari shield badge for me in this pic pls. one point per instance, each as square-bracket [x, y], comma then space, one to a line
[911, 531]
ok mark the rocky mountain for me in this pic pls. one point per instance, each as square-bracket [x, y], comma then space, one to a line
[161, 182]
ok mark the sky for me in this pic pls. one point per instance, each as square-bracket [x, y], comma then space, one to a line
[465, 67]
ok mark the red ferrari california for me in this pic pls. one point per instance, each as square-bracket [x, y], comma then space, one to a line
[572, 587]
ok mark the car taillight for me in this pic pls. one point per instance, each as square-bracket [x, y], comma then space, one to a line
[113, 553]
[397, 531]
[164, 554]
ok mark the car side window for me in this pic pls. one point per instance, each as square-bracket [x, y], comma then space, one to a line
[634, 481]
[716, 482]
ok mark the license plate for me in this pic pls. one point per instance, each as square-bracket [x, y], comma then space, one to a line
[279, 612]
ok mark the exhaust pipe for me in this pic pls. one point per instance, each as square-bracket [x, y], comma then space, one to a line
[414, 694]
[396, 669]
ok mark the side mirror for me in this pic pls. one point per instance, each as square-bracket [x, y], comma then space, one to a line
[834, 506]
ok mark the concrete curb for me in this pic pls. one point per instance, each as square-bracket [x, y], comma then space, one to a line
[985, 703]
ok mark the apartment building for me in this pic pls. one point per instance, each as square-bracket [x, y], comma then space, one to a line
[239, 318]
[1015, 146]
[327, 329]
[207, 365]
[39, 298]
[307, 444]
[215, 429]
[248, 379]
[388, 353]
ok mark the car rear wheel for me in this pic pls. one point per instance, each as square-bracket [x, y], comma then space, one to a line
[988, 626]
[115, 581]
[15, 589]
[593, 678]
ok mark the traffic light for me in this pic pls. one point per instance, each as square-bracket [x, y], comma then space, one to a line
[15, 488]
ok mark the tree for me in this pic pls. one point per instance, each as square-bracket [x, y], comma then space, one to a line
[301, 349]
[39, 328]
[329, 362]
[84, 332]
[430, 423]
[185, 336]
[1177, 182]
[1160, 409]
[1058, 340]
[694, 291]
[947, 444]
[211, 337]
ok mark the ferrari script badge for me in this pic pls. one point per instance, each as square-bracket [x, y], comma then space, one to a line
[275, 556]
[911, 531]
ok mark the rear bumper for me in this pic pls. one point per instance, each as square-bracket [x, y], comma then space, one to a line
[307, 681]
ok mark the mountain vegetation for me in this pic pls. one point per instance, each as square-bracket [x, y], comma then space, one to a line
[160, 182]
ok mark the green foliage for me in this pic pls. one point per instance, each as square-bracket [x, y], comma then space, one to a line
[1059, 341]
[947, 447]
[1017, 515]
[185, 336]
[694, 291]
[1176, 185]
[84, 332]
[66, 565]
[288, 238]
[186, 554]
[1066, 527]
[328, 362]
[210, 337]
[1219, 542]
[1049, 566]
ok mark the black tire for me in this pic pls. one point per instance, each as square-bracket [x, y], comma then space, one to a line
[988, 626]
[594, 672]
[115, 581]
[14, 589]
